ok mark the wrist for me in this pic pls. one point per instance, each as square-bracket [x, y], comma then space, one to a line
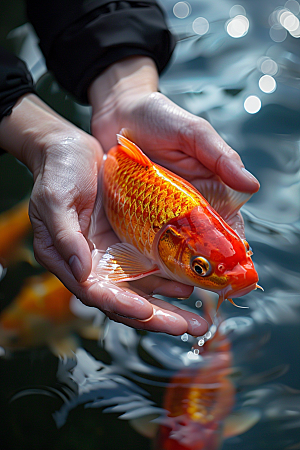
[123, 82]
[30, 129]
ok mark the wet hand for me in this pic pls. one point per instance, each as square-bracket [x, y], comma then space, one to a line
[65, 163]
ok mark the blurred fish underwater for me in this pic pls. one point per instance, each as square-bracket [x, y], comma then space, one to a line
[238, 66]
[14, 227]
[41, 314]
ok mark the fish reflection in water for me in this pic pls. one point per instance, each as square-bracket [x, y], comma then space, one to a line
[200, 399]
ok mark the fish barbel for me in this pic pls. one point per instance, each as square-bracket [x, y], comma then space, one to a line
[168, 228]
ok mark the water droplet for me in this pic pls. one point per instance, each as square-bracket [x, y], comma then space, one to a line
[196, 351]
[201, 342]
[185, 337]
[198, 304]
[208, 335]
[192, 355]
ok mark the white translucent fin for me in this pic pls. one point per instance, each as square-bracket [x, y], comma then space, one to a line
[122, 262]
[240, 421]
[226, 201]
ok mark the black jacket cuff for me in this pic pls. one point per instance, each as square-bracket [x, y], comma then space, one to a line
[15, 81]
[98, 33]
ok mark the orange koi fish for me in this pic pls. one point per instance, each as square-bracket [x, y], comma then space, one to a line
[14, 225]
[199, 401]
[40, 315]
[169, 229]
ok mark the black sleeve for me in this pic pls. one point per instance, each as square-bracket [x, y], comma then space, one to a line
[81, 38]
[15, 81]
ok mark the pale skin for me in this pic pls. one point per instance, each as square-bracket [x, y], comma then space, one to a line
[65, 163]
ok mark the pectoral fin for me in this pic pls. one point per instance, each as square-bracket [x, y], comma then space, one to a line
[122, 262]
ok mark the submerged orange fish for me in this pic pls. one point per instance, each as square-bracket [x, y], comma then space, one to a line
[41, 315]
[168, 228]
[199, 401]
[14, 225]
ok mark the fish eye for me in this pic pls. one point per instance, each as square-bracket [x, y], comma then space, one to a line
[201, 266]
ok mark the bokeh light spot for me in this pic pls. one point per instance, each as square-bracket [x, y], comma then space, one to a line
[267, 84]
[200, 26]
[181, 10]
[277, 33]
[237, 10]
[252, 104]
[289, 21]
[238, 26]
[268, 66]
[293, 6]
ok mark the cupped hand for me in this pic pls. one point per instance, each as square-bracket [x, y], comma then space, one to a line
[65, 163]
[61, 205]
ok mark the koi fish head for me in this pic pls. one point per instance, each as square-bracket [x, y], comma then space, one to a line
[200, 249]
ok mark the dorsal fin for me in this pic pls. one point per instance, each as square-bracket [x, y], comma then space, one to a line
[133, 151]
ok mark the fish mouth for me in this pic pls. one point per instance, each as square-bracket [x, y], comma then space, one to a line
[241, 292]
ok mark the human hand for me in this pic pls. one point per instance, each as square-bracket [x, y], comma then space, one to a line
[65, 163]
[125, 96]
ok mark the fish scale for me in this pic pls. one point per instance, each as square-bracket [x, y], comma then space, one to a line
[139, 200]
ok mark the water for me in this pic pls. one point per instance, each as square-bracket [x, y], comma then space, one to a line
[92, 401]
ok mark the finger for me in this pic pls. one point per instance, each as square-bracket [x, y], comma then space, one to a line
[167, 319]
[212, 151]
[113, 299]
[162, 286]
[104, 296]
[67, 238]
[176, 128]
[196, 325]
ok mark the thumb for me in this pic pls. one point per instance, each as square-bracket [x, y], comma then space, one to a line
[59, 236]
[71, 244]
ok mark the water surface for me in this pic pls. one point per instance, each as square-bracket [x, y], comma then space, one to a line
[239, 67]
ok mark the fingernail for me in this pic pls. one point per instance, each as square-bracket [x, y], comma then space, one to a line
[197, 327]
[249, 175]
[76, 267]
